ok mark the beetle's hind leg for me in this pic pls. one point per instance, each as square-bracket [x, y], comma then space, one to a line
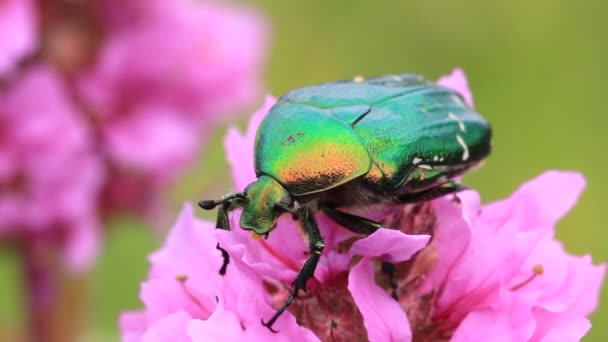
[316, 246]
[446, 188]
[226, 203]
[354, 223]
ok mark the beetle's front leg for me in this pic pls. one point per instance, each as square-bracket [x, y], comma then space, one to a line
[315, 243]
[223, 222]
[226, 204]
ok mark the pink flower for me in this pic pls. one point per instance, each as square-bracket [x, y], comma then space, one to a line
[489, 272]
[161, 82]
[50, 176]
[499, 263]
[500, 271]
[187, 300]
[281, 256]
[18, 31]
[186, 297]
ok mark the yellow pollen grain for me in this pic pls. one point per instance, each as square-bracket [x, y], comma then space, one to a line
[538, 269]
[358, 79]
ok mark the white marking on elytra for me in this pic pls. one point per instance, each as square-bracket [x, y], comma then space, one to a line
[441, 159]
[465, 148]
[457, 119]
[426, 167]
[436, 158]
[416, 161]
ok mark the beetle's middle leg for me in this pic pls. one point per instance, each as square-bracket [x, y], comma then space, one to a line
[315, 241]
[447, 188]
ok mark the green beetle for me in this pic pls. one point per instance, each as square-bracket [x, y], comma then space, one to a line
[390, 139]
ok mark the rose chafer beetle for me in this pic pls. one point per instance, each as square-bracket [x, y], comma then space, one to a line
[390, 139]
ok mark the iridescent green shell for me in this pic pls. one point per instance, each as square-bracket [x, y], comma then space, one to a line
[307, 150]
[318, 137]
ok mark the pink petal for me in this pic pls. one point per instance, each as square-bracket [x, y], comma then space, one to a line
[511, 320]
[453, 237]
[541, 201]
[382, 315]
[485, 325]
[457, 81]
[163, 297]
[133, 325]
[559, 327]
[169, 329]
[390, 245]
[240, 148]
[189, 249]
[588, 298]
[221, 326]
[290, 333]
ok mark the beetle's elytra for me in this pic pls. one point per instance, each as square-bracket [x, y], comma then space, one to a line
[390, 139]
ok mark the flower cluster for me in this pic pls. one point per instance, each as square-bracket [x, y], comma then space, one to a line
[104, 104]
[464, 272]
[49, 171]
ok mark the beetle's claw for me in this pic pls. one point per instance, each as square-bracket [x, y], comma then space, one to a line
[269, 326]
[207, 204]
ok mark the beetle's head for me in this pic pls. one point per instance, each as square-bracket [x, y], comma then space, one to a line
[265, 201]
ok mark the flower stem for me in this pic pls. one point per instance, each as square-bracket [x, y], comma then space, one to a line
[39, 289]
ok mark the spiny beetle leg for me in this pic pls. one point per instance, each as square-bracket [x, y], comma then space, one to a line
[355, 224]
[447, 188]
[223, 222]
[316, 246]
[388, 268]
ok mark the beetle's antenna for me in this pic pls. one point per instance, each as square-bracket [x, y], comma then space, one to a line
[210, 204]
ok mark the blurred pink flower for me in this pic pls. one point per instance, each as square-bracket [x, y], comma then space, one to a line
[198, 58]
[50, 176]
[161, 82]
[18, 31]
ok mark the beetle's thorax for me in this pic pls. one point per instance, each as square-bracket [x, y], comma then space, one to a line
[264, 199]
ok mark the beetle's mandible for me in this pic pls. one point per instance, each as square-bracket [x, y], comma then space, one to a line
[390, 139]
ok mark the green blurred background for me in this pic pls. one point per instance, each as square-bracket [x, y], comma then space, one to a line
[537, 70]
